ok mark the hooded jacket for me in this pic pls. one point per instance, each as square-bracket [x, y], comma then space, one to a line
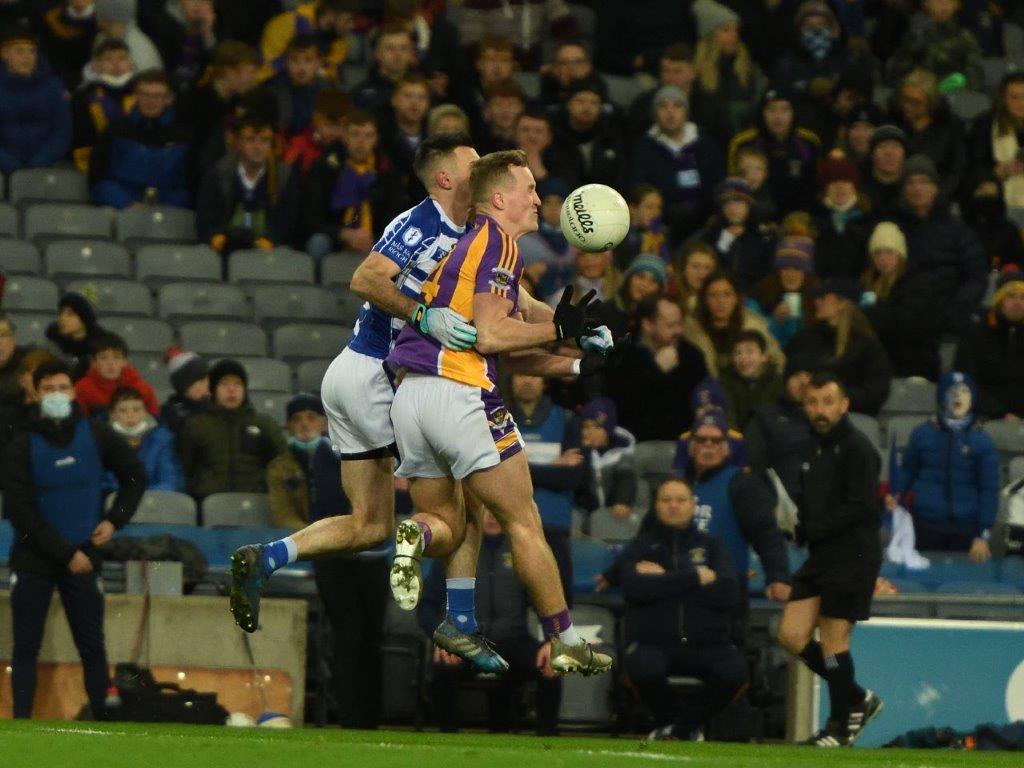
[78, 350]
[35, 119]
[93, 392]
[953, 474]
[159, 456]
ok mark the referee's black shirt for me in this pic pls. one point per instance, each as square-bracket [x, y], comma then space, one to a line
[840, 511]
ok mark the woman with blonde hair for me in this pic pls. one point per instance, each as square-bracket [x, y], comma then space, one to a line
[843, 342]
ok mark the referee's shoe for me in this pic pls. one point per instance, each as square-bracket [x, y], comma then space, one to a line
[839, 734]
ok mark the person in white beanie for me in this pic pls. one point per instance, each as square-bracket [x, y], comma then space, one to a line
[116, 18]
[189, 376]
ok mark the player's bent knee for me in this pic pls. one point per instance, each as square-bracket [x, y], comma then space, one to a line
[794, 637]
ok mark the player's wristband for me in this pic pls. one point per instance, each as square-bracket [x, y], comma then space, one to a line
[416, 318]
[576, 367]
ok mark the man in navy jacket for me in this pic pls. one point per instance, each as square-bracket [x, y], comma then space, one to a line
[52, 475]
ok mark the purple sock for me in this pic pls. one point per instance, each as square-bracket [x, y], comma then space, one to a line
[427, 535]
[560, 625]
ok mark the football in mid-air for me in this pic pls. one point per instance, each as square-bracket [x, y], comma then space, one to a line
[594, 218]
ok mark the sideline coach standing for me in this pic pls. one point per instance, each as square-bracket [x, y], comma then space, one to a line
[52, 478]
[840, 516]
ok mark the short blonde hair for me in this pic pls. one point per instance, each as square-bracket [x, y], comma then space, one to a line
[442, 111]
[491, 171]
[926, 81]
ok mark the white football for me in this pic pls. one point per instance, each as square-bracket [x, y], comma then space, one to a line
[594, 218]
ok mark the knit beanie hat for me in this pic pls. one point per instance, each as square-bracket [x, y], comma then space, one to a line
[733, 188]
[921, 165]
[647, 262]
[888, 236]
[796, 251]
[304, 401]
[81, 306]
[669, 93]
[227, 367]
[888, 133]
[1009, 282]
[864, 112]
[711, 15]
[592, 84]
[815, 9]
[709, 393]
[184, 368]
[712, 417]
[798, 364]
[837, 167]
[122, 11]
[603, 412]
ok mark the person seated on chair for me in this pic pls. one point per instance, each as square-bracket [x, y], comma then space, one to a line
[190, 378]
[153, 443]
[681, 593]
[110, 369]
[500, 612]
[608, 452]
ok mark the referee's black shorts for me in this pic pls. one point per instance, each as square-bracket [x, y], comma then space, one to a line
[845, 585]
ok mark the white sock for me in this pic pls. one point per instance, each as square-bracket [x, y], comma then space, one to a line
[460, 583]
[569, 636]
[292, 547]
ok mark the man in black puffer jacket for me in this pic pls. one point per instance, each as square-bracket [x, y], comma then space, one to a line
[681, 594]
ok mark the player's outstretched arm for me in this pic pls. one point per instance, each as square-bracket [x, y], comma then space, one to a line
[374, 281]
[539, 362]
[497, 331]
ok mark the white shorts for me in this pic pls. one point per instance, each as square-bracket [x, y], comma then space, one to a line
[448, 429]
[357, 400]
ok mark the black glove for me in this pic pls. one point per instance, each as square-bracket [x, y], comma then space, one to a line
[595, 362]
[572, 320]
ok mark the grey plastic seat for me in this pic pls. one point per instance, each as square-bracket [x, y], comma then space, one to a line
[870, 427]
[308, 341]
[913, 395]
[153, 369]
[223, 338]
[31, 327]
[1016, 470]
[116, 297]
[1008, 436]
[622, 91]
[20, 257]
[338, 268]
[166, 507]
[994, 67]
[142, 224]
[654, 459]
[266, 373]
[898, 430]
[193, 301]
[54, 185]
[156, 265]
[8, 220]
[141, 334]
[529, 82]
[236, 509]
[271, 403]
[276, 305]
[46, 222]
[30, 294]
[310, 375]
[605, 526]
[71, 259]
[967, 105]
[281, 265]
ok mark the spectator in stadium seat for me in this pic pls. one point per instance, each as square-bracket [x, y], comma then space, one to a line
[983, 208]
[854, 137]
[595, 134]
[840, 223]
[404, 126]
[644, 280]
[900, 305]
[941, 246]
[951, 469]
[189, 376]
[646, 227]
[997, 137]
[883, 178]
[153, 443]
[501, 610]
[494, 63]
[741, 242]
[778, 434]
[104, 97]
[447, 118]
[729, 82]
[679, 160]
[249, 199]
[708, 396]
[651, 385]
[717, 320]
[144, 157]
[939, 45]
[52, 474]
[74, 331]
[842, 341]
[435, 46]
[931, 127]
[11, 354]
[117, 19]
[502, 106]
[750, 380]
[186, 34]
[35, 112]
[588, 270]
[608, 452]
[675, 68]
[527, 24]
[549, 263]
[783, 298]
[557, 469]
[354, 184]
[67, 31]
[695, 262]
[110, 371]
[325, 133]
[545, 158]
[393, 61]
[681, 592]
[752, 167]
[327, 21]
[296, 86]
[792, 151]
[991, 351]
[571, 62]
[227, 446]
[17, 406]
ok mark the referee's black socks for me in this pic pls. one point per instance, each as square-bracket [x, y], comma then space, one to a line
[843, 690]
[813, 658]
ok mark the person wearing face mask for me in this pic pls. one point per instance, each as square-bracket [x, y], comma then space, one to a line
[103, 98]
[153, 443]
[52, 475]
[951, 468]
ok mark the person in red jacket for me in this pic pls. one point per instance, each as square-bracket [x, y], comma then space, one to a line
[110, 369]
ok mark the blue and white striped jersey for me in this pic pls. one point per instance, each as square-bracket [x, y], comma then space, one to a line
[415, 240]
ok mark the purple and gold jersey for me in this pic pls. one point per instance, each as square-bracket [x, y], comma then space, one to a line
[485, 260]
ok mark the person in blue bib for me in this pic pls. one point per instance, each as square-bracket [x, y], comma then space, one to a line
[52, 475]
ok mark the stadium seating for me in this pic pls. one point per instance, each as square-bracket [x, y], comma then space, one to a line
[870, 427]
[1016, 468]
[267, 373]
[165, 507]
[588, 700]
[116, 297]
[899, 429]
[275, 305]
[1007, 435]
[46, 222]
[222, 338]
[145, 224]
[338, 268]
[236, 509]
[605, 526]
[51, 185]
[590, 558]
[311, 374]
[31, 327]
[8, 224]
[910, 396]
[952, 567]
[202, 301]
[30, 294]
[157, 265]
[154, 370]
[20, 257]
[307, 341]
[654, 459]
[967, 105]
[403, 665]
[281, 265]
[71, 259]
[141, 334]
[271, 403]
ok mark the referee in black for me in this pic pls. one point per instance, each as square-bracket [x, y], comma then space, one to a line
[840, 515]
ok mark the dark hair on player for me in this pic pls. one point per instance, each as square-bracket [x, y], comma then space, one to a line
[823, 379]
[125, 393]
[433, 149]
[109, 341]
[751, 335]
[50, 368]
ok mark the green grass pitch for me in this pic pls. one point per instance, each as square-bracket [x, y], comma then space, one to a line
[69, 745]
